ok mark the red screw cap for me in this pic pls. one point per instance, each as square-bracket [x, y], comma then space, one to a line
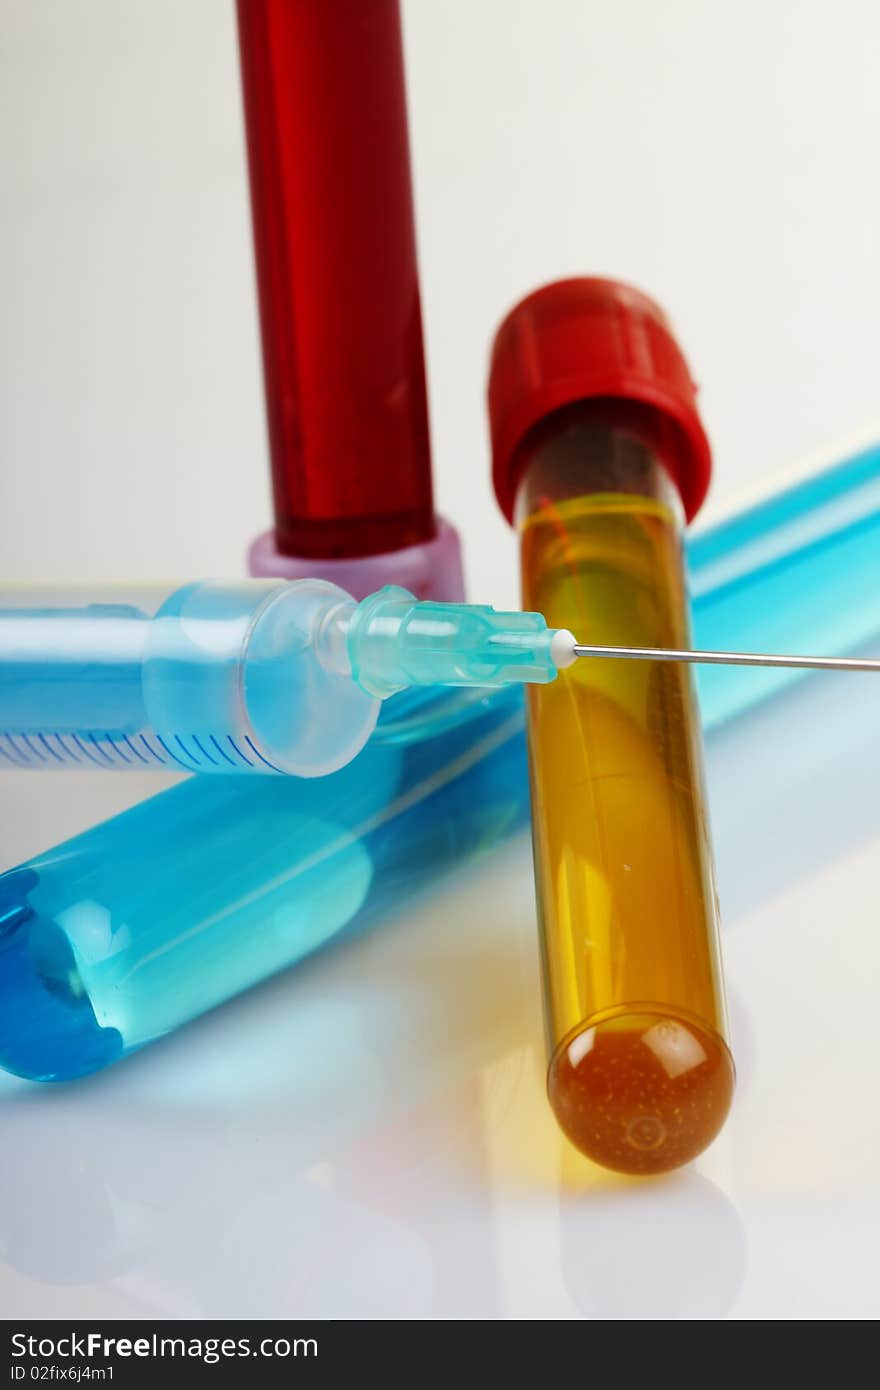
[580, 339]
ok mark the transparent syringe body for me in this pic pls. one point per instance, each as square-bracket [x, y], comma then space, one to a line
[204, 889]
[212, 676]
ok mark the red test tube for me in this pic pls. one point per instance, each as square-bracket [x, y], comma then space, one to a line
[334, 235]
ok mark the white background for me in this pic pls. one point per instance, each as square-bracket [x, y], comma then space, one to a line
[722, 157]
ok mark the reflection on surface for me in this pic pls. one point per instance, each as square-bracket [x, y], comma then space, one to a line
[677, 1049]
[672, 1247]
[309, 1149]
[369, 1135]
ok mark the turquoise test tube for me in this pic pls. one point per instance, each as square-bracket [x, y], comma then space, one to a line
[807, 555]
[129, 930]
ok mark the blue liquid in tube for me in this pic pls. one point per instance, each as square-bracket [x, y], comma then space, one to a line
[127, 931]
[120, 935]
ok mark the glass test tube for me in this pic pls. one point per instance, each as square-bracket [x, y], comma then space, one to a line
[598, 456]
[640, 1074]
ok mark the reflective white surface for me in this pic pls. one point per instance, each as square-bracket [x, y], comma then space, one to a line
[367, 1136]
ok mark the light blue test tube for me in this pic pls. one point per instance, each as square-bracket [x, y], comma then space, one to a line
[129, 930]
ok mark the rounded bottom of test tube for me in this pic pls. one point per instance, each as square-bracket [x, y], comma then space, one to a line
[48, 1027]
[641, 1091]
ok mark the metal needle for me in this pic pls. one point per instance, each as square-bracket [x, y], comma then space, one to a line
[818, 663]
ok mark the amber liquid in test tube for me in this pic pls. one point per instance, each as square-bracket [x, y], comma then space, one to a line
[640, 1075]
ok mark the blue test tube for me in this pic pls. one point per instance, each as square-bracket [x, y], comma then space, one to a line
[129, 930]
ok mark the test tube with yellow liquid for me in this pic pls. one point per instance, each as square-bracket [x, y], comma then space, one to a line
[599, 458]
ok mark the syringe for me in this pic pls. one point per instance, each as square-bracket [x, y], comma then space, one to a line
[258, 675]
[251, 675]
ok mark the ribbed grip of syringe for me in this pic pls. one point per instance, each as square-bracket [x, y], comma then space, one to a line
[395, 642]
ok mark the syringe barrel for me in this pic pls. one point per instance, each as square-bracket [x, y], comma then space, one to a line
[640, 1076]
[214, 676]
